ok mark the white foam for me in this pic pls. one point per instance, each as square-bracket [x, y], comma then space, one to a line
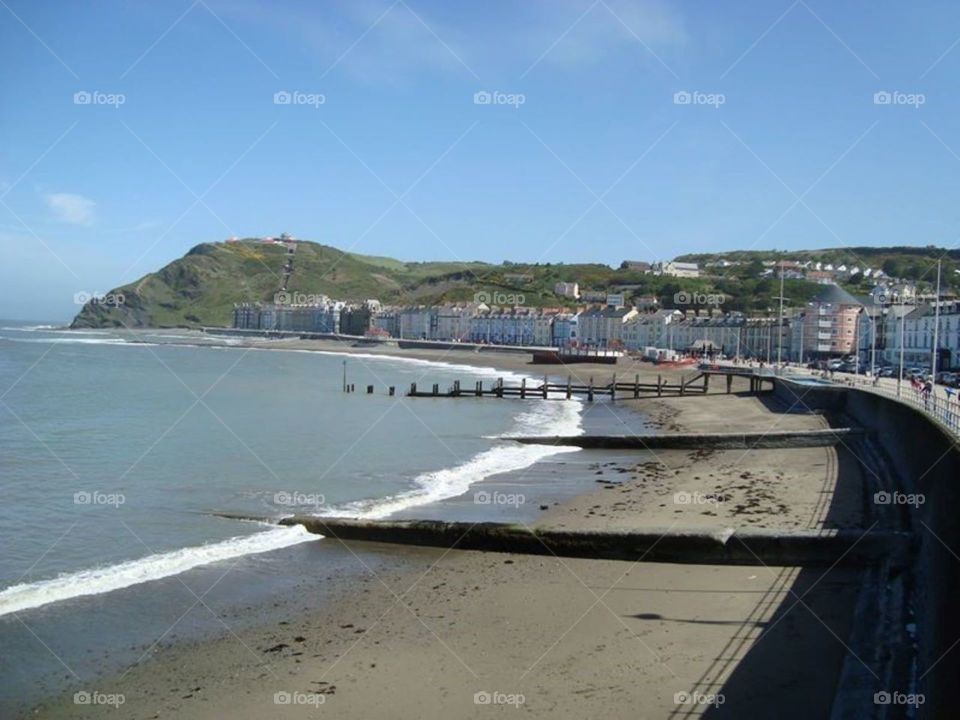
[80, 341]
[475, 370]
[560, 418]
[32, 328]
[553, 418]
[96, 581]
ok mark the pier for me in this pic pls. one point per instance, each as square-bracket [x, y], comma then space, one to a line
[697, 383]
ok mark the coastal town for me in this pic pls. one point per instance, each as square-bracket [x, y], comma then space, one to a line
[894, 324]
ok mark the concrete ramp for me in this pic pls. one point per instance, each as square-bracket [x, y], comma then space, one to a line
[725, 546]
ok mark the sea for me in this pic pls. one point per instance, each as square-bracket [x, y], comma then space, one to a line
[116, 450]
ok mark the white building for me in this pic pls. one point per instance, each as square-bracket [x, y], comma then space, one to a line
[603, 327]
[567, 290]
[649, 329]
[677, 269]
[918, 327]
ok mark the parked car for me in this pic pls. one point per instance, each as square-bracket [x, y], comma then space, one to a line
[889, 371]
[950, 379]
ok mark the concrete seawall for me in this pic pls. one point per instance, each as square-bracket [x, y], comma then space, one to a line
[925, 460]
[688, 441]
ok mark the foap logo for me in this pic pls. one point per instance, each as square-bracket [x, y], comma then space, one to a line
[83, 297]
[895, 97]
[696, 498]
[298, 698]
[898, 498]
[299, 499]
[495, 97]
[484, 497]
[885, 697]
[95, 97]
[82, 497]
[87, 697]
[496, 297]
[296, 97]
[699, 698]
[888, 298]
[698, 298]
[285, 297]
[695, 97]
[498, 698]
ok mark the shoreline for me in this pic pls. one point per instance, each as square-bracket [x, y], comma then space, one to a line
[426, 632]
[572, 637]
[444, 506]
[505, 359]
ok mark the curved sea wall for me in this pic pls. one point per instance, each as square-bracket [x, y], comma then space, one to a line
[925, 459]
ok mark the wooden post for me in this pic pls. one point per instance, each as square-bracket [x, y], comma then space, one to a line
[413, 388]
[523, 389]
[729, 384]
[545, 387]
[392, 390]
[706, 383]
[436, 389]
[613, 387]
[636, 386]
[659, 387]
[499, 387]
[590, 391]
[369, 389]
[569, 389]
[479, 390]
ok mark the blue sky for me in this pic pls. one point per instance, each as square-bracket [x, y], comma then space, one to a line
[782, 145]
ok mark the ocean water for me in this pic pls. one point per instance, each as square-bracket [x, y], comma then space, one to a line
[113, 453]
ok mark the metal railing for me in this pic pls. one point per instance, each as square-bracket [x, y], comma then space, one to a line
[940, 406]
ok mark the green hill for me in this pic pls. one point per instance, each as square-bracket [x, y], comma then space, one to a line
[201, 287]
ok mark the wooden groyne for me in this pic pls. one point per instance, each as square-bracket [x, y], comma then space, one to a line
[695, 441]
[697, 384]
[753, 546]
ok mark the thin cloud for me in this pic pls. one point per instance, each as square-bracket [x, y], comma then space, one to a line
[384, 41]
[71, 208]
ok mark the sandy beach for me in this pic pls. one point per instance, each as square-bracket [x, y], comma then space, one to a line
[461, 634]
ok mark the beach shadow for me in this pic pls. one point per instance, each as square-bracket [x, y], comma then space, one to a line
[786, 659]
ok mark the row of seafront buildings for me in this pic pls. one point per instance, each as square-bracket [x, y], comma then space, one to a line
[835, 324]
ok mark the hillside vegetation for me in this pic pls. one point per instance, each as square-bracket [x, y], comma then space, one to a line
[201, 287]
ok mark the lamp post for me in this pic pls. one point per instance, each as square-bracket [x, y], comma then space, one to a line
[903, 316]
[936, 326]
[780, 319]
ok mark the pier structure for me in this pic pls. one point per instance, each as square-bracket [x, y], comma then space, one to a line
[697, 383]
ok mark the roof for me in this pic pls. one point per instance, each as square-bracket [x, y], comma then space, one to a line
[835, 295]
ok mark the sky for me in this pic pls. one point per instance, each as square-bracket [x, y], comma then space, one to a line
[550, 131]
